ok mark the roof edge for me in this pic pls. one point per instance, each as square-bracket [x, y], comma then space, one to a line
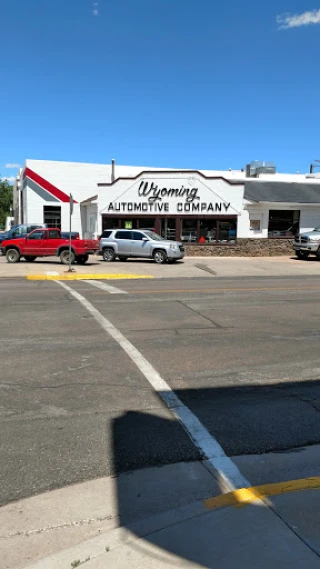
[230, 182]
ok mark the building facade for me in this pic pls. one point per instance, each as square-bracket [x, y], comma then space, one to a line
[211, 212]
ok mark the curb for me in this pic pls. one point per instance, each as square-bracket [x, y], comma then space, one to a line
[95, 547]
[85, 276]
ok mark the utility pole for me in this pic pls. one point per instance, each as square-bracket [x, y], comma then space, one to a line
[70, 270]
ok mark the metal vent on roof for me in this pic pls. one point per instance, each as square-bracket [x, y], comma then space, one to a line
[257, 167]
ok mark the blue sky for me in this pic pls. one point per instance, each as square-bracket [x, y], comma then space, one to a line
[173, 83]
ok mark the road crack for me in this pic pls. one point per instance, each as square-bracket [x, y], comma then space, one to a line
[77, 523]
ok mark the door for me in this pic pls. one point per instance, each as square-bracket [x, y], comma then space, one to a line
[34, 243]
[140, 248]
[123, 239]
[53, 241]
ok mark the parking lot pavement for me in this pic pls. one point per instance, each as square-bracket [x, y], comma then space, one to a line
[190, 267]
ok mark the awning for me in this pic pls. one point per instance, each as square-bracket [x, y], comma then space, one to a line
[283, 192]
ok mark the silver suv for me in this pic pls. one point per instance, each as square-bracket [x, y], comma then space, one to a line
[124, 243]
[308, 243]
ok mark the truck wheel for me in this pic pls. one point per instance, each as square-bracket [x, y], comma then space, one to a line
[159, 257]
[30, 259]
[64, 257]
[302, 254]
[82, 259]
[108, 254]
[13, 255]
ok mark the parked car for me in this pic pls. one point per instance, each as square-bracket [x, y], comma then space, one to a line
[105, 234]
[125, 243]
[307, 243]
[21, 230]
[48, 243]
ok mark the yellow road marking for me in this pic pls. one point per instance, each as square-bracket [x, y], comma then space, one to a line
[244, 496]
[79, 277]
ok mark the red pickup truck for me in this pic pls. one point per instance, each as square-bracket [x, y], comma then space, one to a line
[48, 243]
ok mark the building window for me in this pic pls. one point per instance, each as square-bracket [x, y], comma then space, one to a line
[217, 230]
[227, 231]
[168, 228]
[255, 224]
[189, 230]
[128, 223]
[283, 223]
[208, 230]
[110, 223]
[52, 216]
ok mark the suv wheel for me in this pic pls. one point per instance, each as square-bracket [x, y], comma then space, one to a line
[302, 254]
[13, 255]
[108, 254]
[159, 257]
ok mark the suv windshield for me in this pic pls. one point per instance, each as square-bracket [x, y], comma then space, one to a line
[154, 236]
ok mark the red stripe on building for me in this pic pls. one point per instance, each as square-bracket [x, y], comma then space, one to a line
[53, 190]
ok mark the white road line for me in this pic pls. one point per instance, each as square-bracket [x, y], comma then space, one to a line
[106, 287]
[203, 440]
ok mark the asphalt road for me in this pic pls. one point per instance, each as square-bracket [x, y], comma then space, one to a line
[241, 353]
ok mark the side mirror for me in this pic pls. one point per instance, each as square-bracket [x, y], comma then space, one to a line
[145, 239]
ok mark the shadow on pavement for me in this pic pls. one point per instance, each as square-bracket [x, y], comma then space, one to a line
[308, 259]
[245, 420]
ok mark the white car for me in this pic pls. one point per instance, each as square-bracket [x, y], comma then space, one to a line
[125, 243]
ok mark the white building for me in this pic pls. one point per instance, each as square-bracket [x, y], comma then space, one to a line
[204, 208]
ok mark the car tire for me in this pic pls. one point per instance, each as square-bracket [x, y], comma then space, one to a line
[303, 254]
[13, 255]
[123, 258]
[108, 254]
[64, 257]
[82, 259]
[159, 256]
[30, 259]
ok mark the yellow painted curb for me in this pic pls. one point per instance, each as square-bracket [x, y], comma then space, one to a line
[244, 496]
[78, 277]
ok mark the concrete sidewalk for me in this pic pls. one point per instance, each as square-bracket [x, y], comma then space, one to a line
[191, 267]
[174, 516]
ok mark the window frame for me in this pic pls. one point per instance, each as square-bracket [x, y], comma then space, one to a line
[129, 231]
[141, 234]
[31, 238]
[53, 231]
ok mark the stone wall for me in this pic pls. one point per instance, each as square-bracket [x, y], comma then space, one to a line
[243, 248]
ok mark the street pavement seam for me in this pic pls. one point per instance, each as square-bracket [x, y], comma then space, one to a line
[210, 448]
